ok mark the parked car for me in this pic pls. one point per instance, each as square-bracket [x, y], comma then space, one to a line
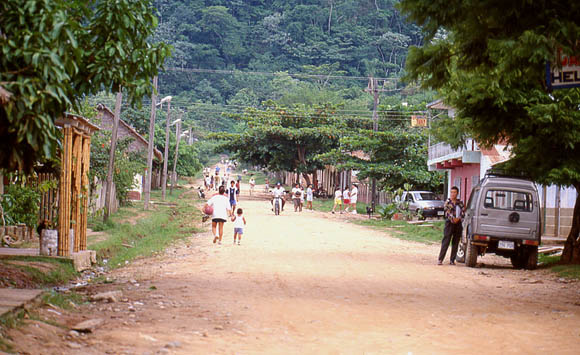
[424, 203]
[502, 217]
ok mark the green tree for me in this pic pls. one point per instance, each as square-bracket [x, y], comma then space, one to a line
[285, 138]
[55, 52]
[487, 59]
[393, 157]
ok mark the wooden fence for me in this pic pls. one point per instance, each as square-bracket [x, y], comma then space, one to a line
[48, 210]
[329, 178]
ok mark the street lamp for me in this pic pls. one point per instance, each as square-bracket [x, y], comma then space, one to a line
[164, 100]
[166, 152]
[177, 137]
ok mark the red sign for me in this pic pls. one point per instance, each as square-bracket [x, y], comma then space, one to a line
[566, 75]
[418, 121]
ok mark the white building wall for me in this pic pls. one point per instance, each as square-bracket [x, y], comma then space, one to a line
[567, 196]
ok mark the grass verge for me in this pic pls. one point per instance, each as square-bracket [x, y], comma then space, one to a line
[35, 271]
[563, 270]
[429, 233]
[259, 176]
[325, 205]
[157, 229]
[66, 301]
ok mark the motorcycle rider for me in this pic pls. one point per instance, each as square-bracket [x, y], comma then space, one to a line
[278, 191]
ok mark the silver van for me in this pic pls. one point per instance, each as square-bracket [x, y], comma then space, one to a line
[502, 217]
[423, 203]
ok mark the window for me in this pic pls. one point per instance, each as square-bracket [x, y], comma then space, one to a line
[508, 200]
[428, 196]
[473, 199]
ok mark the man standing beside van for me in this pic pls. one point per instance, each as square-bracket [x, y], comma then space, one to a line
[454, 213]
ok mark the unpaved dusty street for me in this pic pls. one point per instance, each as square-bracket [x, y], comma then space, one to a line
[313, 283]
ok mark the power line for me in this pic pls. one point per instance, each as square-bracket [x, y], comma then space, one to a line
[241, 109]
[185, 103]
[337, 116]
[262, 73]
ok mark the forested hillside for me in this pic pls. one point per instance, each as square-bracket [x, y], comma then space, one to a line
[235, 59]
[331, 37]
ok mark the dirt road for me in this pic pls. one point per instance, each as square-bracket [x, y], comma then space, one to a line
[314, 283]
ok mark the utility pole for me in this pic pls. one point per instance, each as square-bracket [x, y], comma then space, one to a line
[111, 167]
[166, 153]
[373, 89]
[150, 147]
[178, 137]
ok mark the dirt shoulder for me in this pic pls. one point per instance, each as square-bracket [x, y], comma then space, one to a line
[310, 283]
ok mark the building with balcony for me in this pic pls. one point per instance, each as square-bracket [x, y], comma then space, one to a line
[467, 164]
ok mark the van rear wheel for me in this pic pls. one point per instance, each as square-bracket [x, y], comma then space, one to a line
[470, 254]
[531, 261]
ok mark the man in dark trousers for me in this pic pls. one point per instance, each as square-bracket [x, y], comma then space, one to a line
[454, 213]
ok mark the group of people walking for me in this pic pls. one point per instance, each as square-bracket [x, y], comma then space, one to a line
[345, 199]
[223, 206]
[299, 194]
[212, 181]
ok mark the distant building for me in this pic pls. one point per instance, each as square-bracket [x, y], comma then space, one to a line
[139, 144]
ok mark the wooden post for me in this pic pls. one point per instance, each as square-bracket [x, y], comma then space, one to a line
[111, 167]
[150, 147]
[86, 156]
[65, 194]
[76, 202]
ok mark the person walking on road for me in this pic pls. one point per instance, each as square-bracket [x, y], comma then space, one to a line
[239, 224]
[337, 200]
[353, 198]
[454, 213]
[346, 199]
[309, 197]
[296, 193]
[233, 196]
[301, 197]
[221, 211]
[252, 185]
[217, 181]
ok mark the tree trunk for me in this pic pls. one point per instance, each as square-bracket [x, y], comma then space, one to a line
[330, 15]
[571, 254]
[302, 154]
[307, 178]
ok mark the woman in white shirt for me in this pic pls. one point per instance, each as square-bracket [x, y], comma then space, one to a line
[309, 197]
[221, 211]
[353, 198]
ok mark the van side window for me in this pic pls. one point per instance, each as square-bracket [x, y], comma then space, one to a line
[473, 199]
[508, 200]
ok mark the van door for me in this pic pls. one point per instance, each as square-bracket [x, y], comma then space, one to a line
[507, 213]
[471, 217]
